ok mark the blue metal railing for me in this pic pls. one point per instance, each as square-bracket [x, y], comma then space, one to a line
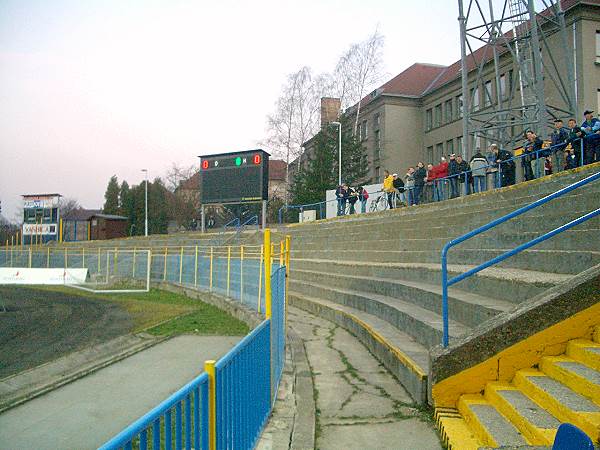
[278, 325]
[449, 282]
[159, 421]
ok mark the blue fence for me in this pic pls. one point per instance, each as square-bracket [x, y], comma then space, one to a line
[449, 282]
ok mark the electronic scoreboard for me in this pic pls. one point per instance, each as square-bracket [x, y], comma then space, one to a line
[236, 177]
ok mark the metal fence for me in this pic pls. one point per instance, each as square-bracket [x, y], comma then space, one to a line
[227, 406]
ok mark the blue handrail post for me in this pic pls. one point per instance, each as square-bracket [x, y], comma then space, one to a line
[499, 176]
[537, 164]
[445, 294]
[280, 214]
[581, 152]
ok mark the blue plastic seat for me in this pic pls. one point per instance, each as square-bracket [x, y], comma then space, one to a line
[569, 437]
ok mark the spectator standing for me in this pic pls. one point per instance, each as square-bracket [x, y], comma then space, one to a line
[558, 140]
[493, 176]
[571, 160]
[399, 187]
[429, 181]
[591, 128]
[388, 188]
[363, 196]
[453, 172]
[352, 199]
[409, 184]
[440, 182]
[420, 175]
[463, 170]
[341, 195]
[575, 138]
[532, 153]
[506, 166]
[479, 164]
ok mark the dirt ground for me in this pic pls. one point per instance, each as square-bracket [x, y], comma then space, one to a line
[38, 326]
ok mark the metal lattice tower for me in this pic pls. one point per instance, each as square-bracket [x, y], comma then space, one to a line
[510, 37]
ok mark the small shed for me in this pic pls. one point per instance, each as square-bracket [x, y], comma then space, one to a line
[107, 226]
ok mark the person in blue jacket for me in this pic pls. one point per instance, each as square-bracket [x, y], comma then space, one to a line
[591, 146]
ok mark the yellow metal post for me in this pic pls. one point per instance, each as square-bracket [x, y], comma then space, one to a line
[60, 230]
[209, 368]
[288, 247]
[268, 248]
[242, 274]
[181, 265]
[228, 268]
[165, 264]
[210, 275]
[196, 267]
[260, 271]
[281, 250]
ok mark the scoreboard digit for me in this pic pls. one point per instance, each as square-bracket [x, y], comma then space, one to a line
[236, 177]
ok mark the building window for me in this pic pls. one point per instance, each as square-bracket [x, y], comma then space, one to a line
[438, 115]
[503, 86]
[475, 99]
[459, 105]
[439, 151]
[487, 93]
[448, 111]
[377, 173]
[377, 144]
[430, 154]
[363, 131]
[510, 82]
[459, 145]
[598, 47]
[428, 119]
[376, 121]
[449, 147]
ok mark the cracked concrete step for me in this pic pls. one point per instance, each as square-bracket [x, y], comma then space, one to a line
[423, 325]
[399, 352]
[464, 307]
[535, 423]
[507, 284]
[490, 427]
[587, 352]
[554, 261]
[562, 402]
[582, 379]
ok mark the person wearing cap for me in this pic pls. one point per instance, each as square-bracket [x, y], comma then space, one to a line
[575, 138]
[399, 187]
[591, 128]
[341, 194]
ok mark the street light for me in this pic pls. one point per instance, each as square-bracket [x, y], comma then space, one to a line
[339, 151]
[146, 204]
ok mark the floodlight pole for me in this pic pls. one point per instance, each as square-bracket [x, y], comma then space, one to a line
[339, 125]
[146, 204]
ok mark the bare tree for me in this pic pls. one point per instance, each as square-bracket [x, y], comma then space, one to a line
[358, 71]
[68, 205]
[177, 174]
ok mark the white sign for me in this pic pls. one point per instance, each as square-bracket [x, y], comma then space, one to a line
[308, 216]
[20, 275]
[41, 201]
[32, 229]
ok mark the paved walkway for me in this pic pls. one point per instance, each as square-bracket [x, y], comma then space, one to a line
[86, 413]
[359, 405]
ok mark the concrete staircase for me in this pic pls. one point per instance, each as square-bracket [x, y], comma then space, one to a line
[378, 275]
[528, 410]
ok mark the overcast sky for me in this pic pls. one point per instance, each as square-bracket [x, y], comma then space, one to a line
[89, 89]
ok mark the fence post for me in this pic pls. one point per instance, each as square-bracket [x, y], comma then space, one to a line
[228, 268]
[241, 274]
[260, 271]
[165, 264]
[281, 251]
[288, 246]
[210, 276]
[209, 368]
[267, 244]
[196, 267]
[181, 265]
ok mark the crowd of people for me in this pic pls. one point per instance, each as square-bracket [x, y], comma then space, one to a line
[454, 176]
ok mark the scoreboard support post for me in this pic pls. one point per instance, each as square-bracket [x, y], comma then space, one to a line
[264, 214]
[202, 221]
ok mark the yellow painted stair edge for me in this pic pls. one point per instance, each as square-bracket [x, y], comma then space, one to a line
[588, 422]
[576, 349]
[480, 431]
[568, 378]
[533, 434]
[455, 433]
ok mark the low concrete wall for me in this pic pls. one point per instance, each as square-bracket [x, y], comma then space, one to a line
[516, 339]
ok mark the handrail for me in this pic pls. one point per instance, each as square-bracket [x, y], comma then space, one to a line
[447, 283]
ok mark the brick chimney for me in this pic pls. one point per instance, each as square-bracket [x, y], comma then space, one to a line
[330, 110]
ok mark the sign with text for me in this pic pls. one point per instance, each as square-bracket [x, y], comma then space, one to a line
[236, 177]
[21, 275]
[40, 201]
[33, 229]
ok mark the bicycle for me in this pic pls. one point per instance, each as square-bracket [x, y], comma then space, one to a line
[380, 204]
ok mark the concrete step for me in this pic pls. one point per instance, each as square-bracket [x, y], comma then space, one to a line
[402, 355]
[596, 334]
[535, 423]
[513, 285]
[553, 261]
[423, 325]
[586, 352]
[454, 430]
[464, 307]
[562, 402]
[491, 427]
[582, 379]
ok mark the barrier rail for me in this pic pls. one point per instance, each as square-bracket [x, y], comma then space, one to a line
[446, 283]
[228, 405]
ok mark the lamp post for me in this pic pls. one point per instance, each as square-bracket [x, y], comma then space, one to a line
[146, 204]
[339, 125]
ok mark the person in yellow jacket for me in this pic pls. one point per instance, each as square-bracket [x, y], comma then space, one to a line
[388, 187]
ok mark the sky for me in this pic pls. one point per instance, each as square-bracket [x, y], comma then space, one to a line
[91, 89]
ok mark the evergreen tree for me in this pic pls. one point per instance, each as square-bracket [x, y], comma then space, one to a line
[126, 205]
[111, 197]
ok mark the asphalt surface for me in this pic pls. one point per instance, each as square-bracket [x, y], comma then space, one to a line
[38, 326]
